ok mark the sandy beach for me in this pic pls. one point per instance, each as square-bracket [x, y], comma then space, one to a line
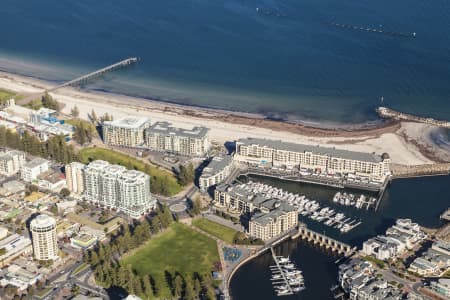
[406, 142]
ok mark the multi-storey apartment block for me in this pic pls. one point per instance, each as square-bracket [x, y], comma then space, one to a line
[127, 131]
[162, 137]
[289, 156]
[115, 187]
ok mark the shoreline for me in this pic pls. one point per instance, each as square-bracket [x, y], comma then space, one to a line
[335, 128]
[226, 126]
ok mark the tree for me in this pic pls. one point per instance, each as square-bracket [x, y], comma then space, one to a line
[186, 174]
[148, 290]
[64, 192]
[197, 285]
[196, 206]
[75, 290]
[93, 117]
[33, 188]
[178, 286]
[49, 102]
[189, 292]
[75, 112]
[106, 117]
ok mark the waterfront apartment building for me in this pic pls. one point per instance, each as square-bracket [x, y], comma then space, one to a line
[115, 187]
[289, 156]
[216, 171]
[269, 217]
[403, 235]
[275, 218]
[161, 136]
[75, 177]
[43, 233]
[11, 162]
[32, 169]
[127, 131]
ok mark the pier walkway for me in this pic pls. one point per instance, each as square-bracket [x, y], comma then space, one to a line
[26, 98]
[325, 241]
[280, 271]
[120, 64]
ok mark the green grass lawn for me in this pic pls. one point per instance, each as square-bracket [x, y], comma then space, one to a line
[162, 181]
[222, 232]
[179, 249]
[5, 95]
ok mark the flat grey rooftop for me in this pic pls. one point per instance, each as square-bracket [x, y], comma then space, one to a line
[217, 164]
[35, 162]
[128, 122]
[332, 152]
[165, 128]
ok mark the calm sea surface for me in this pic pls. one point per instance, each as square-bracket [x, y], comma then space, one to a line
[286, 60]
[421, 199]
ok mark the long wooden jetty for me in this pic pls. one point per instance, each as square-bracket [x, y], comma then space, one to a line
[120, 64]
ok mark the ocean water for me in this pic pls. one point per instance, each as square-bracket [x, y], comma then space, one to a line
[286, 60]
[421, 199]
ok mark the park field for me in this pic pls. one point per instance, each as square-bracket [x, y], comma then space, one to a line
[224, 233]
[162, 181]
[179, 249]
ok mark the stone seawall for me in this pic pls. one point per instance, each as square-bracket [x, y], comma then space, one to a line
[387, 113]
[401, 171]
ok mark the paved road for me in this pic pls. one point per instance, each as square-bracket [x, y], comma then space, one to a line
[73, 280]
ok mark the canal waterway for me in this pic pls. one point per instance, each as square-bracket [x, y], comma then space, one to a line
[421, 199]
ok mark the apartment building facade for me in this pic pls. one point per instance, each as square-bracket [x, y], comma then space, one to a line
[43, 233]
[75, 177]
[32, 169]
[278, 154]
[161, 136]
[115, 187]
[218, 169]
[11, 162]
[127, 131]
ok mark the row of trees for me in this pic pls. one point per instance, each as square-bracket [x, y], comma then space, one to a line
[110, 272]
[55, 148]
[95, 119]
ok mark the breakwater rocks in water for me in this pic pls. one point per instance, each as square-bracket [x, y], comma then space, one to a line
[401, 171]
[388, 113]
